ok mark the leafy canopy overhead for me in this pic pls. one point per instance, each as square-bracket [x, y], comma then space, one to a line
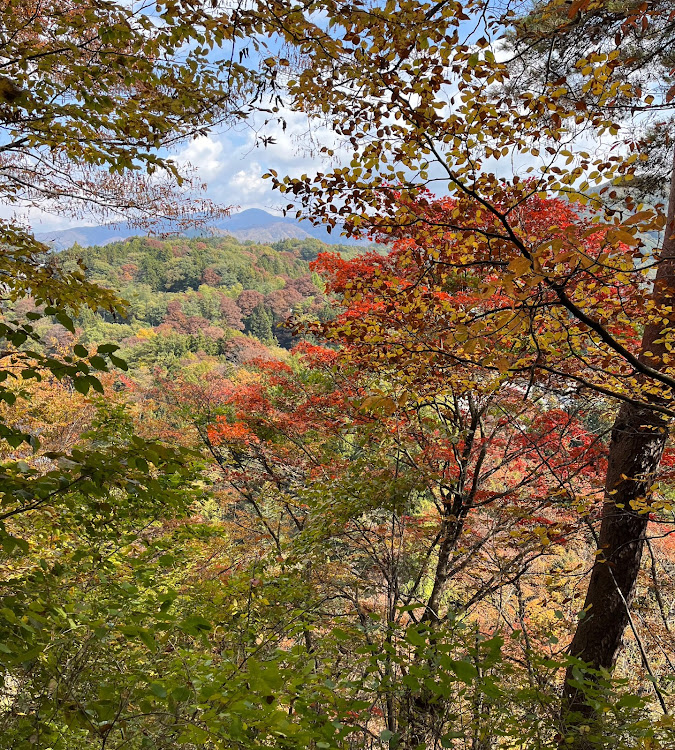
[93, 93]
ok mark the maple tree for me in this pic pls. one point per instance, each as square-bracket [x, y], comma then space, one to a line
[454, 468]
[641, 35]
[369, 501]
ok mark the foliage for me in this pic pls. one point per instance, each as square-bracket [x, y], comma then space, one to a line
[429, 94]
[381, 543]
[91, 93]
[188, 296]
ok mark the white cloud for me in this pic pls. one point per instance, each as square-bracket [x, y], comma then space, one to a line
[248, 184]
[39, 220]
[232, 164]
[203, 154]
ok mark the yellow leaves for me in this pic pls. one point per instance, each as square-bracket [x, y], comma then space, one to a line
[622, 236]
[461, 333]
[487, 291]
[639, 218]
[503, 365]
[404, 398]
[520, 266]
[470, 346]
[379, 404]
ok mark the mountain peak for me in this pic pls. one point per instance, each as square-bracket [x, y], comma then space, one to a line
[252, 224]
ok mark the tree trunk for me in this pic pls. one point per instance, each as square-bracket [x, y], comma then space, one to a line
[638, 439]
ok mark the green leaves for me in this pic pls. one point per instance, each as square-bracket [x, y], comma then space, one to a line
[83, 383]
[465, 670]
[65, 320]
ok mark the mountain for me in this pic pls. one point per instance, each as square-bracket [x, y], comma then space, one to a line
[253, 224]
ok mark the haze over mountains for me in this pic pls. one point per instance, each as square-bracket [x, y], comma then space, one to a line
[252, 224]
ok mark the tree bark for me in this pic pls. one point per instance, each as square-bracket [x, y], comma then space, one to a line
[636, 446]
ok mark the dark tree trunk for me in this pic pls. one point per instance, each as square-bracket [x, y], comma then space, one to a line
[638, 438]
[635, 451]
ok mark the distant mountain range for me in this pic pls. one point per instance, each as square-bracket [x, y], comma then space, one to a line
[252, 224]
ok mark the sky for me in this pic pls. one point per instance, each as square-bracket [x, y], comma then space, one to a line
[231, 163]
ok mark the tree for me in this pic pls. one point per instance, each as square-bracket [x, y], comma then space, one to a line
[231, 313]
[259, 323]
[92, 92]
[421, 98]
[92, 97]
[248, 300]
[478, 290]
[99, 647]
[642, 35]
[407, 480]
[392, 471]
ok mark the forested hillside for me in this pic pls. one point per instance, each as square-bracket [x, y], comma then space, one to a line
[211, 296]
[271, 572]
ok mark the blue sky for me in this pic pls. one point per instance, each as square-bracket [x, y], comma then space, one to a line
[231, 163]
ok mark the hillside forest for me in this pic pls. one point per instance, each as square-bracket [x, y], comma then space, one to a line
[409, 492]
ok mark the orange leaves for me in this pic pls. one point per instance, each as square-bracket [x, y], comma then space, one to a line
[463, 286]
[223, 432]
[315, 356]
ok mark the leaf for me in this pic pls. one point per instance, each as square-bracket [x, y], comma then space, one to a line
[630, 701]
[156, 688]
[520, 266]
[98, 363]
[81, 385]
[465, 670]
[148, 639]
[619, 235]
[95, 383]
[639, 217]
[66, 321]
[193, 735]
[180, 694]
[380, 404]
[118, 362]
[194, 625]
[577, 6]
[15, 439]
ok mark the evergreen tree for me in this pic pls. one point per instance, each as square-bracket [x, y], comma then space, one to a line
[259, 324]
